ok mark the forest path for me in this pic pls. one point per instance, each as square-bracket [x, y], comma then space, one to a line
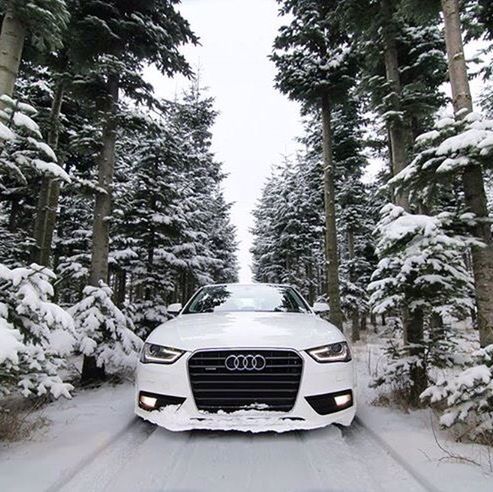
[331, 459]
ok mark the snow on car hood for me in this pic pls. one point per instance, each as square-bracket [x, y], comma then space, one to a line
[245, 329]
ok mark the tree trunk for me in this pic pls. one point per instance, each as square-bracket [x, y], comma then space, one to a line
[12, 38]
[120, 288]
[400, 132]
[355, 321]
[102, 208]
[311, 285]
[46, 211]
[401, 138]
[355, 326]
[437, 327]
[102, 213]
[332, 259]
[363, 325]
[472, 177]
[413, 336]
[91, 373]
[14, 213]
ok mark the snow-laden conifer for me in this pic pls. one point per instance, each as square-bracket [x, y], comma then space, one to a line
[23, 151]
[422, 270]
[104, 333]
[466, 399]
[35, 334]
[444, 151]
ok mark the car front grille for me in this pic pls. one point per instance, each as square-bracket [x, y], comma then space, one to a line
[273, 386]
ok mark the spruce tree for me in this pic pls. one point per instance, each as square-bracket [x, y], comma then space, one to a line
[43, 20]
[114, 43]
[316, 66]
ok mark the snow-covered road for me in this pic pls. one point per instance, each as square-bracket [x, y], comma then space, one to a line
[93, 443]
[152, 459]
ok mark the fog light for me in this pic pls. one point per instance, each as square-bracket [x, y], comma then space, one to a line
[342, 400]
[148, 401]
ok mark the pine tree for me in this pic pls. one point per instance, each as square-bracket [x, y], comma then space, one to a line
[471, 175]
[172, 226]
[105, 335]
[24, 157]
[123, 38]
[35, 334]
[422, 270]
[43, 20]
[317, 66]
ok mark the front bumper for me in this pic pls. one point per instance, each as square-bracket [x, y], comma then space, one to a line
[172, 380]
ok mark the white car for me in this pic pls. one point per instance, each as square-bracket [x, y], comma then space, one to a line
[246, 357]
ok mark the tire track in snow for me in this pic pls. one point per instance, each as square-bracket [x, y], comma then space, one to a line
[236, 461]
[149, 459]
[136, 431]
[156, 461]
[337, 464]
[363, 429]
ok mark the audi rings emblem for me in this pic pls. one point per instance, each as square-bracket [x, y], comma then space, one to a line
[247, 362]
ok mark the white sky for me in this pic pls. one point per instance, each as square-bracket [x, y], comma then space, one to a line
[256, 125]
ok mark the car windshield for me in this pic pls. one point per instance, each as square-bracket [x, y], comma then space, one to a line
[254, 298]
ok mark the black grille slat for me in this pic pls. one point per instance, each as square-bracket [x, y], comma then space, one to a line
[219, 381]
[253, 375]
[216, 388]
[244, 390]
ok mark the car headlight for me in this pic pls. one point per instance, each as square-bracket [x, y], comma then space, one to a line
[157, 354]
[335, 352]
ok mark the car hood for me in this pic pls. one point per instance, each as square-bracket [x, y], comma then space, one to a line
[191, 332]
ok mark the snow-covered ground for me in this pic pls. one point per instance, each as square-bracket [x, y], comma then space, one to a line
[77, 429]
[416, 439]
[94, 443]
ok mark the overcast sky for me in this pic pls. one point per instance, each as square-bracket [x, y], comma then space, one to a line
[256, 125]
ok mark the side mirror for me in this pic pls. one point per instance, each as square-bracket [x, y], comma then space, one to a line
[320, 307]
[174, 309]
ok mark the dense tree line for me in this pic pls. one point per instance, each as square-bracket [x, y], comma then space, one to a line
[111, 202]
[370, 76]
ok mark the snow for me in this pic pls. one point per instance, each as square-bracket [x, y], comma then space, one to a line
[452, 164]
[61, 342]
[473, 375]
[24, 121]
[75, 430]
[416, 437]
[444, 122]
[409, 224]
[50, 168]
[465, 140]
[431, 135]
[13, 103]
[10, 342]
[43, 147]
[93, 443]
[6, 133]
[253, 421]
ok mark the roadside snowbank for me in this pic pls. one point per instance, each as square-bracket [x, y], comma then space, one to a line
[78, 428]
[417, 439]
